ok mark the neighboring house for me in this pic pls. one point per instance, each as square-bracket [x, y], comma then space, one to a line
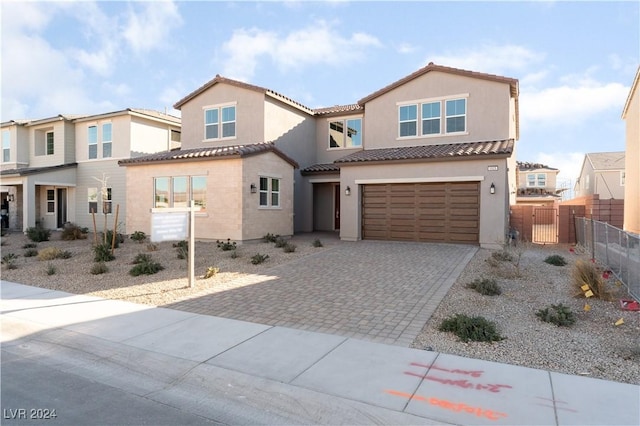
[631, 116]
[426, 158]
[50, 166]
[602, 173]
[537, 184]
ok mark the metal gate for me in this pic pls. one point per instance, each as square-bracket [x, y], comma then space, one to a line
[545, 225]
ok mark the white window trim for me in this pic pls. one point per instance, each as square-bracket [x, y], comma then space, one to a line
[8, 133]
[269, 192]
[344, 119]
[219, 108]
[46, 196]
[443, 116]
[103, 141]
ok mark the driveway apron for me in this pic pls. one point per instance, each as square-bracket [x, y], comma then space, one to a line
[372, 290]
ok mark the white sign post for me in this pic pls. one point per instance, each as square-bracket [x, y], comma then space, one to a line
[176, 224]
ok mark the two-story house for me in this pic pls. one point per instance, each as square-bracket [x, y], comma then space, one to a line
[631, 116]
[51, 168]
[426, 158]
[602, 173]
[537, 184]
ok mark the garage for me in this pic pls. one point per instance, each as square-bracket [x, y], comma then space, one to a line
[447, 212]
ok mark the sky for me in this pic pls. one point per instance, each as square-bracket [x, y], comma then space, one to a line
[575, 61]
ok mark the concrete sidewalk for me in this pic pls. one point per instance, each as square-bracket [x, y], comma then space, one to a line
[255, 373]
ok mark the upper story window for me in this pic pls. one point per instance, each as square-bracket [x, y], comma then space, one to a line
[538, 180]
[345, 133]
[92, 140]
[44, 142]
[106, 140]
[6, 146]
[50, 143]
[269, 192]
[431, 117]
[220, 122]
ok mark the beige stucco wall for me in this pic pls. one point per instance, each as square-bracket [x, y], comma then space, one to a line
[489, 115]
[149, 136]
[494, 209]
[632, 163]
[120, 136]
[61, 144]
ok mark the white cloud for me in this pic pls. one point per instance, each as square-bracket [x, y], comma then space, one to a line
[490, 58]
[569, 163]
[318, 44]
[150, 27]
[406, 48]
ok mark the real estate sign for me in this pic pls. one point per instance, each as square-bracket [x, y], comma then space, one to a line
[169, 226]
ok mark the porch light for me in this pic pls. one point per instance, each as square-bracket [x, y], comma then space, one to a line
[253, 188]
[10, 198]
[347, 191]
[492, 188]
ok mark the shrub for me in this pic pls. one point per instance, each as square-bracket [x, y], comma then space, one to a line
[211, 271]
[38, 233]
[289, 248]
[270, 238]
[183, 252]
[49, 253]
[51, 269]
[30, 245]
[148, 267]
[30, 252]
[502, 256]
[234, 254]
[476, 329]
[102, 253]
[556, 260]
[139, 237]
[71, 232]
[280, 242]
[66, 254]
[109, 238]
[152, 247]
[141, 258]
[485, 286]
[559, 315]
[259, 258]
[180, 244]
[99, 268]
[586, 277]
[8, 260]
[317, 243]
[226, 245]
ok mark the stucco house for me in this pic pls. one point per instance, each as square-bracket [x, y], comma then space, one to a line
[537, 184]
[429, 157]
[631, 116]
[50, 166]
[602, 173]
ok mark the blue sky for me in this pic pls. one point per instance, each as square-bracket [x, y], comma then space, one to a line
[575, 60]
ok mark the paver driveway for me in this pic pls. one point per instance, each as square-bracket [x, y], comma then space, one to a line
[372, 290]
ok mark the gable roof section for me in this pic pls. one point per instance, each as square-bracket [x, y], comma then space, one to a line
[606, 160]
[24, 171]
[525, 166]
[503, 148]
[338, 109]
[321, 169]
[139, 112]
[632, 91]
[219, 79]
[213, 153]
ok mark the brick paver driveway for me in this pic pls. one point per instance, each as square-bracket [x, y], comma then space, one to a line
[372, 290]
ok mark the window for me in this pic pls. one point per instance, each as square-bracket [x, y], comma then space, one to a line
[217, 119]
[50, 143]
[269, 192]
[6, 146]
[431, 118]
[536, 180]
[51, 201]
[43, 142]
[106, 140]
[95, 196]
[408, 115]
[345, 133]
[542, 179]
[92, 140]
[176, 191]
[622, 176]
[456, 115]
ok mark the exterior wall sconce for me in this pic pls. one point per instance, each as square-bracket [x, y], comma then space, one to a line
[253, 188]
[492, 188]
[10, 198]
[347, 191]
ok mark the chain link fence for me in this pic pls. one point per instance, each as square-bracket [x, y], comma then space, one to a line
[611, 246]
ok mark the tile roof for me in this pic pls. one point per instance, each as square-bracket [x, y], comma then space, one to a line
[338, 109]
[23, 171]
[321, 168]
[524, 166]
[222, 152]
[448, 151]
[607, 160]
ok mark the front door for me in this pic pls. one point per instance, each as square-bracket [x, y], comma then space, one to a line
[336, 207]
[62, 207]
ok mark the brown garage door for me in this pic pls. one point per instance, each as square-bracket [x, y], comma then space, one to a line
[431, 212]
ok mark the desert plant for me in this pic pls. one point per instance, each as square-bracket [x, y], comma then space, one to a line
[152, 247]
[226, 245]
[289, 248]
[586, 278]
[71, 232]
[102, 253]
[502, 255]
[485, 286]
[259, 258]
[38, 233]
[108, 238]
[30, 252]
[99, 268]
[476, 329]
[556, 260]
[65, 254]
[183, 243]
[270, 238]
[30, 245]
[139, 237]
[51, 269]
[140, 258]
[280, 242]
[49, 253]
[182, 252]
[317, 243]
[148, 267]
[559, 315]
[211, 271]
[8, 260]
[234, 254]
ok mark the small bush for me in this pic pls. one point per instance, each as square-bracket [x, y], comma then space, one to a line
[66, 254]
[586, 274]
[270, 238]
[30, 245]
[183, 252]
[502, 256]
[259, 258]
[51, 269]
[180, 244]
[289, 248]
[30, 252]
[485, 286]
[317, 243]
[49, 253]
[555, 260]
[146, 268]
[139, 237]
[38, 233]
[141, 258]
[99, 268]
[109, 239]
[226, 245]
[152, 247]
[8, 260]
[211, 271]
[559, 315]
[476, 329]
[102, 253]
[234, 254]
[280, 242]
[71, 232]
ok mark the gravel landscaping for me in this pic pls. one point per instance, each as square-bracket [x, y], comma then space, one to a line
[593, 346]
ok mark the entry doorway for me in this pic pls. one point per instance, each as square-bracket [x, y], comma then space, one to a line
[336, 207]
[62, 207]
